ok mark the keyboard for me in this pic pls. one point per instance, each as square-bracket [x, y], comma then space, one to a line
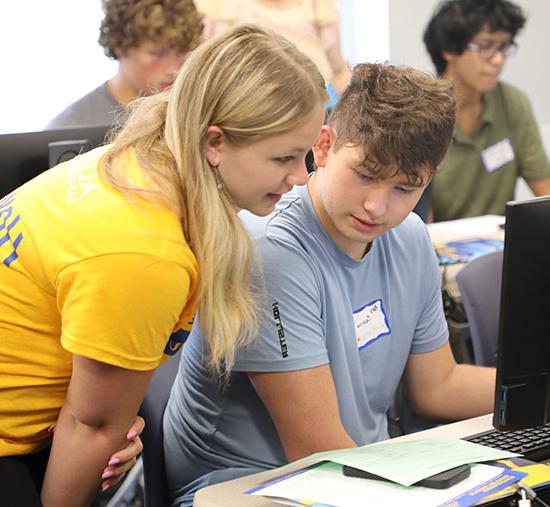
[533, 443]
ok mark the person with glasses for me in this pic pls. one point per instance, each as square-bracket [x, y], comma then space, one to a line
[495, 139]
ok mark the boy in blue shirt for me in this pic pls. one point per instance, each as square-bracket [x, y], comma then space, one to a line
[352, 302]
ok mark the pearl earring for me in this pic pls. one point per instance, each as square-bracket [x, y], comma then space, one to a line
[217, 176]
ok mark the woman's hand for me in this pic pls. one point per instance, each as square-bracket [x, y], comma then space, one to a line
[124, 460]
[99, 410]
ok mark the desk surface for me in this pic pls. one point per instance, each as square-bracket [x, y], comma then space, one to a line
[485, 226]
[227, 494]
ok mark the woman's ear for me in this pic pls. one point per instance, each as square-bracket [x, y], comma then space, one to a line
[213, 142]
[323, 145]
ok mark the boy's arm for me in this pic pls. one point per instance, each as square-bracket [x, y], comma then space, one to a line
[297, 390]
[304, 409]
[540, 187]
[100, 406]
[441, 389]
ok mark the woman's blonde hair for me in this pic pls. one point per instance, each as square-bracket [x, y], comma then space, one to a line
[251, 83]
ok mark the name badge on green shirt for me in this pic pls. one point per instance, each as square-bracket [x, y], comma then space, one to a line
[497, 155]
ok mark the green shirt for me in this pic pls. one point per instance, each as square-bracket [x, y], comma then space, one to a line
[463, 187]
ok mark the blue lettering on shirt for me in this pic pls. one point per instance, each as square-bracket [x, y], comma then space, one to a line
[7, 223]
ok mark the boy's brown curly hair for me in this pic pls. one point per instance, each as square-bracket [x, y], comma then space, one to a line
[175, 24]
[401, 117]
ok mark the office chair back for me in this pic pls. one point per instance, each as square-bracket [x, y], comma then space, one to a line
[479, 283]
[152, 410]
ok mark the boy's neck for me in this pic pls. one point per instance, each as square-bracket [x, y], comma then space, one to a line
[353, 250]
[121, 89]
[469, 109]
[467, 98]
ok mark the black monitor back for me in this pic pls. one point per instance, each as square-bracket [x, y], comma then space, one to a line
[523, 358]
[25, 155]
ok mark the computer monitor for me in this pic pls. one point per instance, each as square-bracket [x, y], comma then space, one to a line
[522, 396]
[25, 155]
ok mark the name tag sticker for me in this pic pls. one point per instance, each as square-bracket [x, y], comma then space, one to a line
[371, 323]
[497, 155]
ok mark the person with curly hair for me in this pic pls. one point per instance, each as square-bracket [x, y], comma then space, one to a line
[150, 39]
[106, 258]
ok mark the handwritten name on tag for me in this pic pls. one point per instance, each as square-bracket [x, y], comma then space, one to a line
[371, 323]
[497, 155]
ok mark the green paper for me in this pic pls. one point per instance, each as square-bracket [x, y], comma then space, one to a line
[408, 462]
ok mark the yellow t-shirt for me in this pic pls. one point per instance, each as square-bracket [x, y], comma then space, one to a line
[83, 270]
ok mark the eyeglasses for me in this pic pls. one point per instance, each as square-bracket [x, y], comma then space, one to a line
[487, 51]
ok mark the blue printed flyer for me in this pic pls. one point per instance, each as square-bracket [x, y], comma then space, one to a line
[466, 250]
[324, 485]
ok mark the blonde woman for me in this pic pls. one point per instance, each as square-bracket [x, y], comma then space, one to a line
[104, 259]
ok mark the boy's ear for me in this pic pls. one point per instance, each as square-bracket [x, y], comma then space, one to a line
[213, 142]
[448, 57]
[119, 53]
[323, 145]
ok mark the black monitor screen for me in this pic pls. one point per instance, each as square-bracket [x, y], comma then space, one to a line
[523, 359]
[25, 155]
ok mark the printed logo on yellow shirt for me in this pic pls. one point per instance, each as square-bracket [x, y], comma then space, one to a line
[176, 341]
[80, 182]
[9, 238]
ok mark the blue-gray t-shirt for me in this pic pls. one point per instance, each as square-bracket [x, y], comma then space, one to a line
[98, 107]
[364, 317]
